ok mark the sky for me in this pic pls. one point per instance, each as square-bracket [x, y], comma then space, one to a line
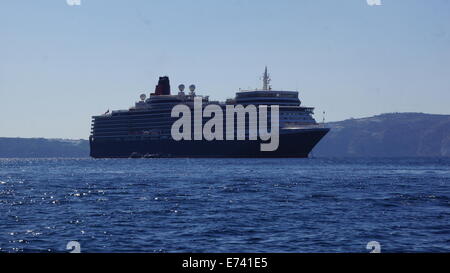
[60, 64]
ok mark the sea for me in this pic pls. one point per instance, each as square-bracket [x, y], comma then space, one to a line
[225, 205]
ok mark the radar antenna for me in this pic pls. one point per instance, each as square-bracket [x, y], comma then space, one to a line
[266, 80]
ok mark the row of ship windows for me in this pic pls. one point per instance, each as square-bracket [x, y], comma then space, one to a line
[268, 95]
[166, 116]
[150, 112]
[143, 137]
[142, 131]
[168, 125]
[296, 118]
[158, 131]
[171, 120]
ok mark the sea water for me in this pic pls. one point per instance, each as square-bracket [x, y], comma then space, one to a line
[225, 205]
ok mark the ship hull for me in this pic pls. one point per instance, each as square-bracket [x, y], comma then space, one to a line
[292, 143]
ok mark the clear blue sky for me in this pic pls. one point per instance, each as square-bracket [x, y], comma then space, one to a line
[60, 64]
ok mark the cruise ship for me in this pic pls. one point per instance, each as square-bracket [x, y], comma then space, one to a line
[145, 130]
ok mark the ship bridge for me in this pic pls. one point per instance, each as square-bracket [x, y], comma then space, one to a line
[268, 97]
[292, 114]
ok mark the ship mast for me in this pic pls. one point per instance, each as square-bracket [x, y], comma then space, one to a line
[266, 80]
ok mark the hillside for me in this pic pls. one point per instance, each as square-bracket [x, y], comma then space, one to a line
[388, 135]
[40, 147]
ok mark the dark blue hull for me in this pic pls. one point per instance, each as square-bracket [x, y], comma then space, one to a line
[294, 143]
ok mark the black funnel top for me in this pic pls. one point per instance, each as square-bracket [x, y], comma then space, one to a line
[163, 87]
